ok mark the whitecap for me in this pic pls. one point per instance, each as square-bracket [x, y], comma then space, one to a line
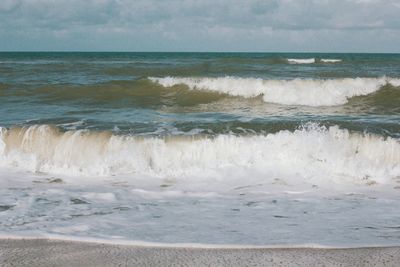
[311, 153]
[301, 60]
[308, 92]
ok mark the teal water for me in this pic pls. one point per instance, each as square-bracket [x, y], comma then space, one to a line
[217, 148]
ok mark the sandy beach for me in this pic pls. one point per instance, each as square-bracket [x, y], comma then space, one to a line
[199, 133]
[44, 252]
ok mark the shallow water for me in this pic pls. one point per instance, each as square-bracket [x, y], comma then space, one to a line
[256, 149]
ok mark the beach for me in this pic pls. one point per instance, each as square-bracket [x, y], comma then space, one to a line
[199, 133]
[46, 252]
[262, 157]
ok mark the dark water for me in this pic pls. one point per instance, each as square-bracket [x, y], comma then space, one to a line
[111, 91]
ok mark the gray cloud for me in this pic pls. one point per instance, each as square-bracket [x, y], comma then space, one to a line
[200, 25]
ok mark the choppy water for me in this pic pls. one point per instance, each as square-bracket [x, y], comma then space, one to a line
[224, 148]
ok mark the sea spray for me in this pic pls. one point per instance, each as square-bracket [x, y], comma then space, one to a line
[311, 152]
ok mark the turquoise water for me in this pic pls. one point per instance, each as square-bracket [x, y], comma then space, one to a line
[227, 148]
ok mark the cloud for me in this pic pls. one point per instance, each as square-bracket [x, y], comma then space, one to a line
[8, 5]
[200, 25]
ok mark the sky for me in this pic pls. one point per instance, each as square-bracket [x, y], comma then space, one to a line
[200, 25]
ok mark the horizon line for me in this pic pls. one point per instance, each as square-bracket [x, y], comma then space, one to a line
[183, 52]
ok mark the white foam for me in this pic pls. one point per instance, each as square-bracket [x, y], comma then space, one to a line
[313, 153]
[330, 60]
[395, 82]
[307, 92]
[100, 196]
[71, 229]
[172, 194]
[71, 238]
[301, 60]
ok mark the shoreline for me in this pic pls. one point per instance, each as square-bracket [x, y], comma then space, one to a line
[58, 252]
[177, 245]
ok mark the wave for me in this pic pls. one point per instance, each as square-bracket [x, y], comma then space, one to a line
[394, 82]
[151, 92]
[301, 60]
[310, 152]
[311, 60]
[308, 92]
[385, 101]
[330, 60]
[117, 93]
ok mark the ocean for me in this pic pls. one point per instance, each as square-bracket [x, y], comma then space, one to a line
[204, 148]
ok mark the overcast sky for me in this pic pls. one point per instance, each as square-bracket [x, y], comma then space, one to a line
[201, 25]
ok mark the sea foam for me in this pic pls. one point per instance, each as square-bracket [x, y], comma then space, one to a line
[330, 60]
[313, 152]
[301, 60]
[312, 60]
[308, 92]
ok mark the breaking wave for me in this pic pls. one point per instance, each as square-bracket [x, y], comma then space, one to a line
[311, 60]
[190, 91]
[301, 60]
[311, 152]
[308, 92]
[330, 60]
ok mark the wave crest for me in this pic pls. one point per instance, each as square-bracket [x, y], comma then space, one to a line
[328, 60]
[311, 152]
[308, 92]
[301, 60]
[312, 60]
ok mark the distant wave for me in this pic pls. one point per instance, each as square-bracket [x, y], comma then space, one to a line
[308, 92]
[301, 60]
[312, 151]
[330, 60]
[311, 60]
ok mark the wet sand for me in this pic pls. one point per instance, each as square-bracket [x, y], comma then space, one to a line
[45, 252]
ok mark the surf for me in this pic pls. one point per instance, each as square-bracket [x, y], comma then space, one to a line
[307, 92]
[310, 153]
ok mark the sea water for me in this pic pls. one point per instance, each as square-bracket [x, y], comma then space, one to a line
[211, 148]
